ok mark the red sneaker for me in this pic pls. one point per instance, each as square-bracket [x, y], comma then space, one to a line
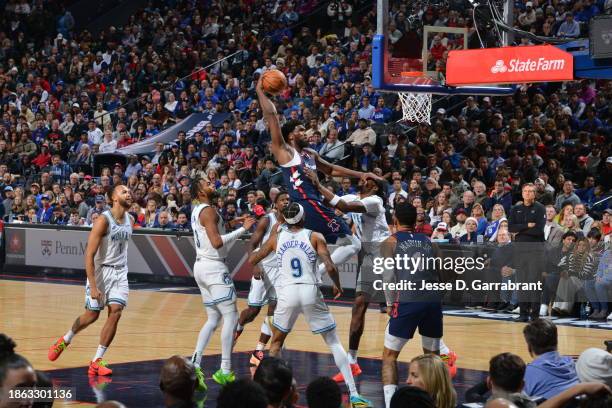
[99, 367]
[355, 369]
[56, 349]
[450, 360]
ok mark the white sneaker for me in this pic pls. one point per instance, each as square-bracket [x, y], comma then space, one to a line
[543, 310]
[517, 310]
[610, 316]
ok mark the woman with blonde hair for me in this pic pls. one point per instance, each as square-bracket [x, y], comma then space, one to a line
[571, 223]
[497, 215]
[567, 210]
[429, 373]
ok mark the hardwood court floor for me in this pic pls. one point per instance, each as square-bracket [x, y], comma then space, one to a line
[157, 325]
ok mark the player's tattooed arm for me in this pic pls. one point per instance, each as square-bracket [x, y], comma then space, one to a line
[345, 207]
[320, 245]
[338, 171]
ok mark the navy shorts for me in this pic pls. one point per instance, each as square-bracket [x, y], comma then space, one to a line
[426, 316]
[322, 219]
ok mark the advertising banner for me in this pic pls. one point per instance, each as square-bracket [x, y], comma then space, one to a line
[509, 65]
[148, 253]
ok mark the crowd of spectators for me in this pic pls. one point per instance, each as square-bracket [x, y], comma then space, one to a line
[550, 380]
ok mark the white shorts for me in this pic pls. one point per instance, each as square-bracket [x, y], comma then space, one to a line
[215, 283]
[112, 282]
[365, 274]
[262, 291]
[304, 298]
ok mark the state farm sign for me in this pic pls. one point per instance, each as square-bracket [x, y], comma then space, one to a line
[540, 63]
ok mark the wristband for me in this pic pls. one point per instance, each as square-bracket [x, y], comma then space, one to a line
[335, 200]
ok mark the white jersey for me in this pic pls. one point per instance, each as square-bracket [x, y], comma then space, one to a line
[296, 258]
[114, 244]
[270, 260]
[370, 226]
[203, 245]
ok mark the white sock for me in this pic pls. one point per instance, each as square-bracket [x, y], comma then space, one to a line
[389, 390]
[205, 334]
[341, 359]
[352, 356]
[347, 247]
[226, 365]
[265, 327]
[239, 327]
[68, 336]
[100, 352]
[227, 340]
[260, 346]
[443, 347]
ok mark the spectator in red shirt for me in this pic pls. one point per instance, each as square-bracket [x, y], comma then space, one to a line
[44, 157]
[437, 49]
[421, 224]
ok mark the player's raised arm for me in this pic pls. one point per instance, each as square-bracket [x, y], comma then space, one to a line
[338, 171]
[278, 146]
[320, 245]
[331, 198]
[209, 219]
[387, 251]
[93, 243]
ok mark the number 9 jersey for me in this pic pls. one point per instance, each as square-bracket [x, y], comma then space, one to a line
[296, 258]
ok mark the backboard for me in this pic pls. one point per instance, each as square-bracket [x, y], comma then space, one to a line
[412, 59]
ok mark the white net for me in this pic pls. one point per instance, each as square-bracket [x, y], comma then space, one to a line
[416, 107]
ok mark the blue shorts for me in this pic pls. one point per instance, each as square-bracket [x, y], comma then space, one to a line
[324, 220]
[426, 316]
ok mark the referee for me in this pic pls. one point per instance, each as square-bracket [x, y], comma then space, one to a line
[527, 221]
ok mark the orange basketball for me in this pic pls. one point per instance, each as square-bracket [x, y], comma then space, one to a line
[273, 81]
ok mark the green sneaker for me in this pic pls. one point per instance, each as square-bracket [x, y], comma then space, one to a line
[223, 379]
[357, 401]
[201, 387]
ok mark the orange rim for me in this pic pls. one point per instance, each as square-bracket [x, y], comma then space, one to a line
[412, 74]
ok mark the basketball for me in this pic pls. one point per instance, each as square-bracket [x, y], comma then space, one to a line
[274, 81]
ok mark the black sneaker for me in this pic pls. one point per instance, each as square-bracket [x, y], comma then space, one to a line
[501, 307]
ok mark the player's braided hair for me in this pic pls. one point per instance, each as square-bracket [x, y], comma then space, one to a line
[291, 210]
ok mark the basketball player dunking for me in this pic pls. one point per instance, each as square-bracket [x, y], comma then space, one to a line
[289, 147]
[262, 284]
[107, 282]
[213, 278]
[297, 289]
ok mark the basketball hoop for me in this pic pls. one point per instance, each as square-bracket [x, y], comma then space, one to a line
[416, 107]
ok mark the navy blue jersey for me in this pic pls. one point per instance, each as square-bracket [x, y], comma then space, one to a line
[319, 218]
[298, 185]
[418, 263]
